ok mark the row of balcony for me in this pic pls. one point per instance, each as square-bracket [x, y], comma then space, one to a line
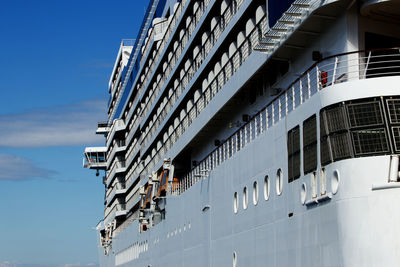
[215, 83]
[137, 168]
[209, 41]
[187, 75]
[132, 105]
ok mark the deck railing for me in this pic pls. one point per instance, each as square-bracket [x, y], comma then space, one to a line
[212, 38]
[332, 70]
[214, 86]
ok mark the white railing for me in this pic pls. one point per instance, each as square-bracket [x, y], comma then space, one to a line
[195, 64]
[113, 210]
[212, 38]
[116, 165]
[174, 59]
[117, 125]
[335, 69]
[214, 86]
[164, 41]
[133, 199]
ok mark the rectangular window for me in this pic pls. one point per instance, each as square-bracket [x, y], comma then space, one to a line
[335, 140]
[293, 146]
[325, 152]
[393, 107]
[357, 128]
[310, 144]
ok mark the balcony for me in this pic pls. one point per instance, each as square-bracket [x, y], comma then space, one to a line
[116, 211]
[118, 125]
[95, 158]
[103, 128]
[117, 190]
[117, 167]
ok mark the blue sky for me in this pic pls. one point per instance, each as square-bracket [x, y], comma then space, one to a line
[55, 62]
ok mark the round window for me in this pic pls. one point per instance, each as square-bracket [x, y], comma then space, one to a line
[279, 182]
[245, 198]
[235, 202]
[255, 193]
[303, 193]
[335, 180]
[266, 187]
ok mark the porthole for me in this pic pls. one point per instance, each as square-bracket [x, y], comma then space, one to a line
[303, 193]
[245, 198]
[335, 181]
[279, 182]
[323, 182]
[255, 193]
[234, 259]
[235, 202]
[266, 187]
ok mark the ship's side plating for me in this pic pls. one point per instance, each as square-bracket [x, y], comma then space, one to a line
[248, 140]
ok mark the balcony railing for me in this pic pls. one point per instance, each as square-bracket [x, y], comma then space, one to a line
[117, 186]
[171, 26]
[117, 125]
[195, 65]
[113, 211]
[335, 69]
[117, 164]
[214, 86]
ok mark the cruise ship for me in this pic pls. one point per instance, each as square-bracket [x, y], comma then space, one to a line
[253, 133]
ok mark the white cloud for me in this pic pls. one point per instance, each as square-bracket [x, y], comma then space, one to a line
[55, 126]
[17, 168]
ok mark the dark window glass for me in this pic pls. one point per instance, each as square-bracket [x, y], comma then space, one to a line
[394, 110]
[396, 136]
[324, 149]
[293, 146]
[335, 118]
[310, 144]
[340, 146]
[364, 114]
[370, 141]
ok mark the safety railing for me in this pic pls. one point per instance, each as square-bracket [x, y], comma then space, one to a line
[111, 151]
[117, 125]
[111, 193]
[113, 210]
[133, 172]
[160, 49]
[227, 70]
[115, 165]
[335, 69]
[195, 65]
[173, 60]
[132, 200]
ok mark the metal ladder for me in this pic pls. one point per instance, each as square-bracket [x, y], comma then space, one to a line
[286, 25]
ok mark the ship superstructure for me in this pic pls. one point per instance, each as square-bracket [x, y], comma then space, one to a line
[254, 133]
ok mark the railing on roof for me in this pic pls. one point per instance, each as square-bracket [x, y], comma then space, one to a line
[331, 70]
